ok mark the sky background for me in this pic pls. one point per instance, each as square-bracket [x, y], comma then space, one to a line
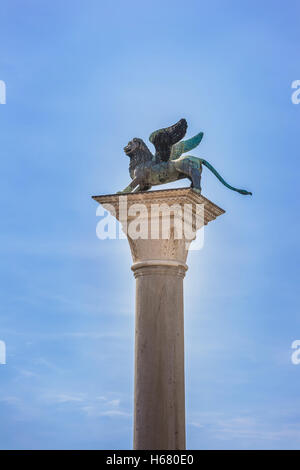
[82, 78]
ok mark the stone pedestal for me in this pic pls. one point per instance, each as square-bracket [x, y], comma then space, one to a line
[168, 220]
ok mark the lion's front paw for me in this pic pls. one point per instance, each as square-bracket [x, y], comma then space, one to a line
[125, 191]
[197, 190]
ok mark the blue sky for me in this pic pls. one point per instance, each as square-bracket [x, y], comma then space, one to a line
[82, 78]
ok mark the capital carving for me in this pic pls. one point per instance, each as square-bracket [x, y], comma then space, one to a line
[160, 225]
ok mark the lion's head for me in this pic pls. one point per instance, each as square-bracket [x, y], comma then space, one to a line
[134, 146]
[138, 152]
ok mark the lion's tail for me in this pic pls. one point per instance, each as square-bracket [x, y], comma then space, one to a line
[212, 169]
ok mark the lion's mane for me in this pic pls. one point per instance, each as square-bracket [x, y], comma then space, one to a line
[140, 155]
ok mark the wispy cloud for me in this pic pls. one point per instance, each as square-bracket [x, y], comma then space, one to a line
[243, 427]
[105, 408]
[113, 413]
[66, 398]
[91, 406]
[114, 403]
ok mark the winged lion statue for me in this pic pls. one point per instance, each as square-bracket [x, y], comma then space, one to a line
[169, 162]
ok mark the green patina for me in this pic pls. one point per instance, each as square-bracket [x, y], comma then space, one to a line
[168, 164]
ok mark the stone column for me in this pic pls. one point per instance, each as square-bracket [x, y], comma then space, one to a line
[159, 266]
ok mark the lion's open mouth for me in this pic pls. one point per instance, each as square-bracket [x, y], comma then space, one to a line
[127, 150]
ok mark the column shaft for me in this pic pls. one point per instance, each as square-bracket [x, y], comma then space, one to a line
[159, 403]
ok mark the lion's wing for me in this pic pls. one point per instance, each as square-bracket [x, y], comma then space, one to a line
[163, 139]
[185, 146]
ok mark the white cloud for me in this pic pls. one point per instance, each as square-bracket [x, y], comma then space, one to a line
[113, 403]
[66, 398]
[244, 427]
[115, 413]
[91, 406]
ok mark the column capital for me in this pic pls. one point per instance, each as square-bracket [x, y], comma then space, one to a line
[167, 220]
